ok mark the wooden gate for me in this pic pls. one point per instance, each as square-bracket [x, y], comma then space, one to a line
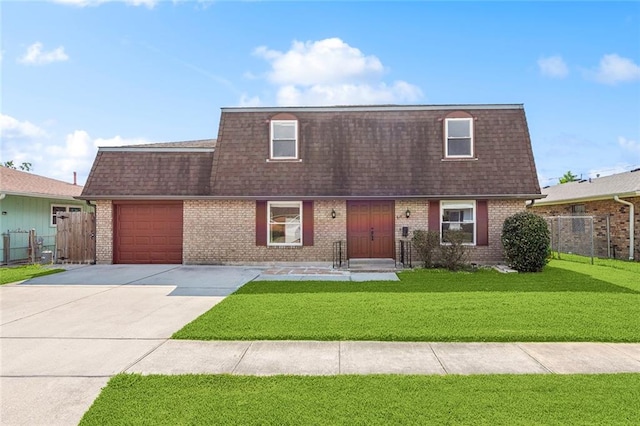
[76, 237]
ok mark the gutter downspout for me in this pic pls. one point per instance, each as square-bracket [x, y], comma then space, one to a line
[631, 225]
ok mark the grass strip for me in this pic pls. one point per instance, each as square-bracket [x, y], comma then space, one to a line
[370, 400]
[21, 273]
[557, 305]
[627, 265]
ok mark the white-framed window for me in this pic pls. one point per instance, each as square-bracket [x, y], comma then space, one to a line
[58, 208]
[459, 138]
[284, 140]
[458, 216]
[284, 220]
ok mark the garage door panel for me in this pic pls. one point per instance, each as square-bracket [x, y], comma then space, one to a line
[148, 233]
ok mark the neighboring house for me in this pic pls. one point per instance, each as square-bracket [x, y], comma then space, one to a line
[284, 184]
[29, 201]
[614, 203]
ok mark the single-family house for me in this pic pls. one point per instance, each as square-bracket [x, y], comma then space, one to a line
[29, 201]
[285, 184]
[613, 202]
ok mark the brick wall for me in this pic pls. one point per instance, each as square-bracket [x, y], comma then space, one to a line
[499, 210]
[618, 224]
[104, 232]
[223, 232]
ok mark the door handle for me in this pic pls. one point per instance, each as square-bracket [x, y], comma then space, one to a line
[371, 234]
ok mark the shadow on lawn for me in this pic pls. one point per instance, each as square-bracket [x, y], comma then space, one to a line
[438, 281]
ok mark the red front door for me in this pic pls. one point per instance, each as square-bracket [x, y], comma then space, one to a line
[370, 229]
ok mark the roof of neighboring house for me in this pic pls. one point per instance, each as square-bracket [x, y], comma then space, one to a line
[345, 152]
[622, 184]
[16, 182]
[202, 143]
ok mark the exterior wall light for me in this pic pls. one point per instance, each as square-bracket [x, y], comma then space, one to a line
[333, 213]
[407, 213]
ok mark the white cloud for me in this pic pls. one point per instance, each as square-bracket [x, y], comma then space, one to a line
[119, 141]
[614, 69]
[77, 154]
[553, 66]
[84, 3]
[331, 72]
[247, 101]
[14, 129]
[23, 141]
[326, 61]
[35, 56]
[629, 145]
[348, 94]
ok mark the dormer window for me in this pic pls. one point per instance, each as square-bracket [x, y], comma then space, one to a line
[284, 140]
[459, 138]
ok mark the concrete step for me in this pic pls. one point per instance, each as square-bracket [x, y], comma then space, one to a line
[372, 265]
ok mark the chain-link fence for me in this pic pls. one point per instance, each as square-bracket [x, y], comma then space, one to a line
[582, 235]
[24, 246]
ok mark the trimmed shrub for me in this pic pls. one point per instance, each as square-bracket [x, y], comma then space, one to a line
[425, 243]
[525, 238]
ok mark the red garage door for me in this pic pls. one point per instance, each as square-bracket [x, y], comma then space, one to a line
[148, 233]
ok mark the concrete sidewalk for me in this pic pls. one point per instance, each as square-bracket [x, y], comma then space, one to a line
[362, 357]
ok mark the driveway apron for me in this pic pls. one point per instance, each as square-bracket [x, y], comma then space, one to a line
[62, 336]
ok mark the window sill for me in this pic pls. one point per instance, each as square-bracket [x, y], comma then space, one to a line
[284, 160]
[459, 159]
[283, 246]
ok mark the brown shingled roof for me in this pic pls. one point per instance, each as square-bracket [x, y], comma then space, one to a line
[156, 174]
[16, 182]
[377, 151]
[202, 143]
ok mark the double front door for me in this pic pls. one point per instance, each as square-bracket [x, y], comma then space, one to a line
[370, 229]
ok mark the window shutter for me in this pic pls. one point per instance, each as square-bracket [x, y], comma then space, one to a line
[261, 223]
[434, 216]
[307, 223]
[482, 223]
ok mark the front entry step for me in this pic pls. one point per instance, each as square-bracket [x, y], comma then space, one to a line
[372, 265]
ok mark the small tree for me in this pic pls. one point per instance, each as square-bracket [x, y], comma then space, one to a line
[24, 166]
[425, 243]
[525, 238]
[568, 177]
[453, 253]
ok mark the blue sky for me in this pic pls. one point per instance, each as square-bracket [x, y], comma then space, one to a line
[78, 74]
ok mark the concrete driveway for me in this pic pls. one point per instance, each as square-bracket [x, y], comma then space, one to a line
[62, 336]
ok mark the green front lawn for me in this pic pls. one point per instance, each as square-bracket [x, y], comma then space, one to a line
[567, 302]
[368, 400]
[21, 273]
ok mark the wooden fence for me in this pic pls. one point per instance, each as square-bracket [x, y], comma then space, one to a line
[76, 237]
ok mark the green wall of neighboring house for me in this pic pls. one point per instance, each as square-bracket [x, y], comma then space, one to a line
[25, 213]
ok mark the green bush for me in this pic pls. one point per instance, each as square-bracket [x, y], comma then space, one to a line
[525, 238]
[453, 253]
[425, 243]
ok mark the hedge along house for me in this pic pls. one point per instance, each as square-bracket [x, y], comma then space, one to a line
[284, 184]
[613, 202]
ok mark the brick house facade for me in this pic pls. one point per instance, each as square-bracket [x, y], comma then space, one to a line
[612, 220]
[285, 184]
